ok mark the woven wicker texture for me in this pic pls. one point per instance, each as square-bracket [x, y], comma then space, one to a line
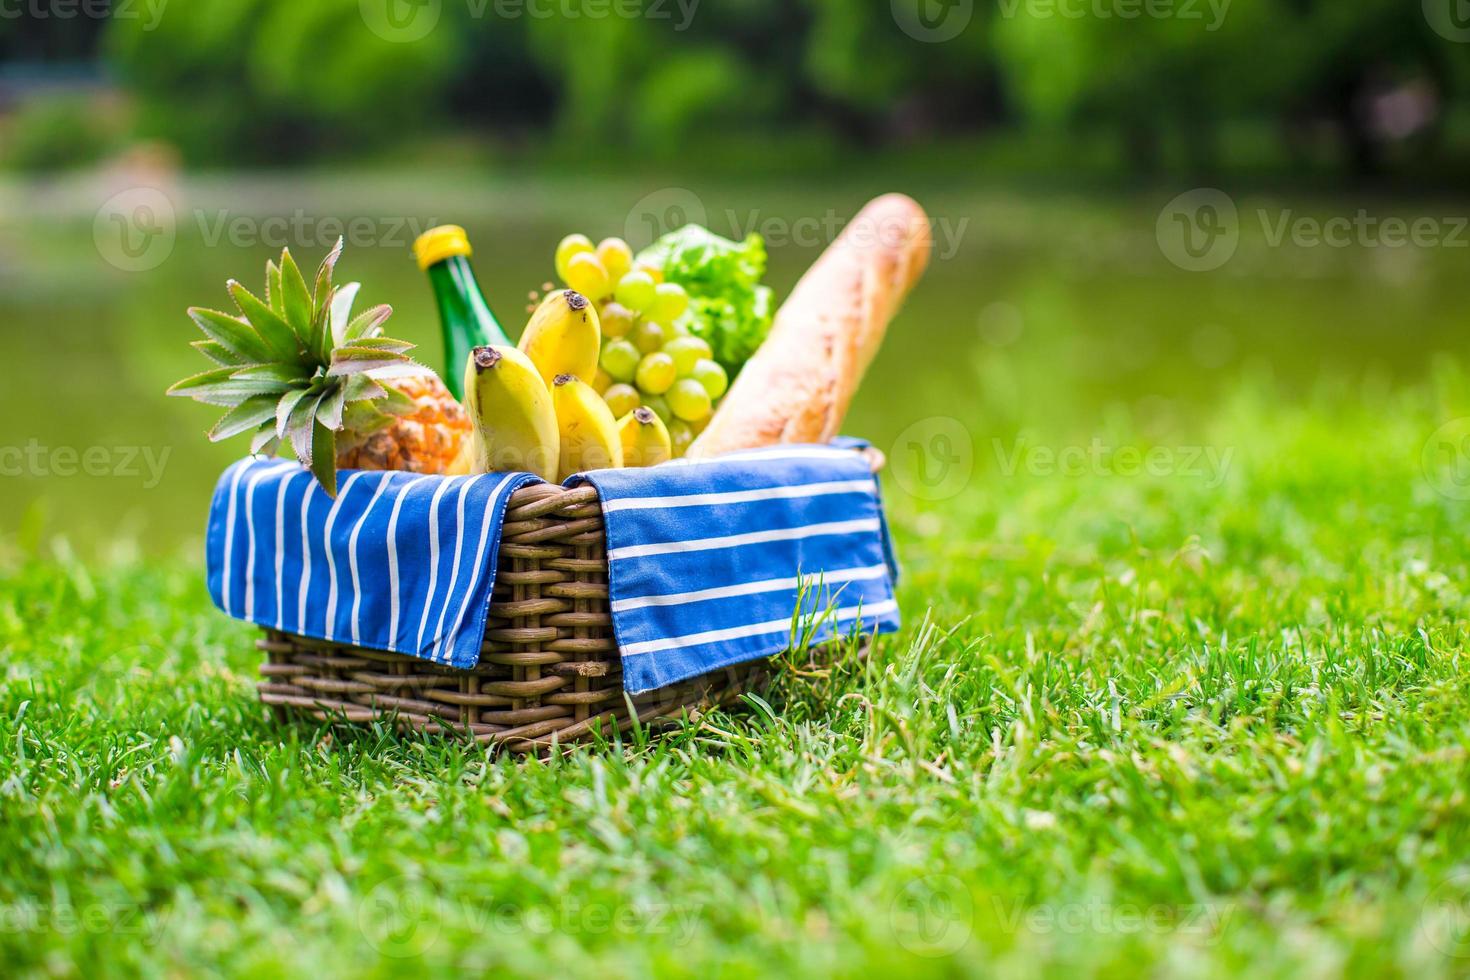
[549, 670]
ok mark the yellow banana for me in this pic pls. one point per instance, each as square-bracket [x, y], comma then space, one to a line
[564, 336]
[645, 438]
[515, 424]
[589, 435]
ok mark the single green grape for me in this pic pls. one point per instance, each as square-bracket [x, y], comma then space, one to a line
[660, 407]
[681, 434]
[622, 399]
[617, 320]
[669, 302]
[689, 400]
[570, 246]
[620, 359]
[587, 276]
[655, 373]
[601, 381]
[636, 291]
[616, 257]
[649, 336]
[686, 352]
[712, 377]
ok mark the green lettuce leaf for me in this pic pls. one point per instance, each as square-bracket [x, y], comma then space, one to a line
[728, 307]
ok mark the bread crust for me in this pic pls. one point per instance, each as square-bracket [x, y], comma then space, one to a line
[798, 386]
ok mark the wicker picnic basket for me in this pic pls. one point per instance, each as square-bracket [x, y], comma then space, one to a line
[549, 670]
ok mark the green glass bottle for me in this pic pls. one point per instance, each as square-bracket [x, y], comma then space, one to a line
[444, 253]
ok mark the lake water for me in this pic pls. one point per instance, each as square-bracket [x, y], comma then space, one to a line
[1055, 315]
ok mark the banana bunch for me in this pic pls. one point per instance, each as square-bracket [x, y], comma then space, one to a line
[534, 409]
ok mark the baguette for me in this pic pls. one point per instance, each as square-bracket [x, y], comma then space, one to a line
[798, 385]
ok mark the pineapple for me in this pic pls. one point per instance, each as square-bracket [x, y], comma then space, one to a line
[298, 367]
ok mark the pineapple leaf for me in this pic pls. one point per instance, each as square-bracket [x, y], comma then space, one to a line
[285, 407]
[296, 299]
[273, 297]
[397, 403]
[383, 344]
[289, 375]
[191, 385]
[324, 457]
[299, 427]
[329, 410]
[355, 360]
[361, 387]
[218, 353]
[231, 391]
[245, 416]
[276, 333]
[363, 418]
[342, 301]
[322, 295]
[265, 440]
[232, 333]
[367, 324]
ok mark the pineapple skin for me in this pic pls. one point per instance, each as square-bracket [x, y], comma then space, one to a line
[432, 439]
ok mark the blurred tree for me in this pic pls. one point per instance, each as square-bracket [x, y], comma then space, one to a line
[233, 81]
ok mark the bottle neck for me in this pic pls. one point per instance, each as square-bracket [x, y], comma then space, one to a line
[464, 315]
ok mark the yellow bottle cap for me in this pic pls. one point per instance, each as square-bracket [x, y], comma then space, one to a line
[438, 244]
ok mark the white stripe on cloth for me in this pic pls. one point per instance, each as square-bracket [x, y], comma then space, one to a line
[331, 620]
[755, 629]
[453, 572]
[736, 540]
[250, 536]
[740, 496]
[304, 586]
[485, 523]
[751, 588]
[433, 560]
[393, 598]
[281, 548]
[355, 630]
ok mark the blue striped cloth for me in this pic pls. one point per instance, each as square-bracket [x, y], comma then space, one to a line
[710, 563]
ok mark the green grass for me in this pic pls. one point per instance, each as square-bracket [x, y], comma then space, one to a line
[1136, 724]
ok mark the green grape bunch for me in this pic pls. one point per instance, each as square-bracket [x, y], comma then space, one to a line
[648, 359]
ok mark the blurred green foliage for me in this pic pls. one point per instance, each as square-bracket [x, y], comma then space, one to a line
[60, 131]
[252, 80]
